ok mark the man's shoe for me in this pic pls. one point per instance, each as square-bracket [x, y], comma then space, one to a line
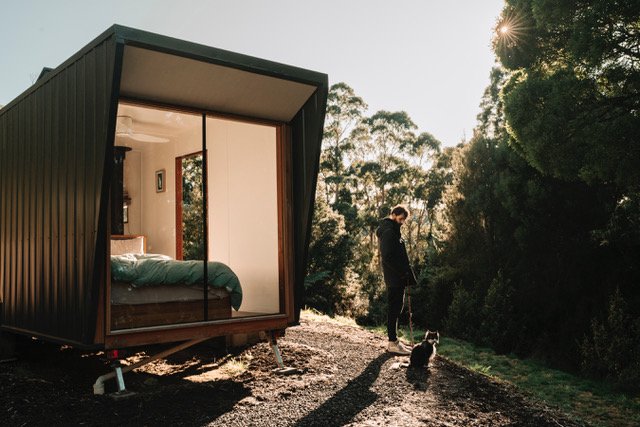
[397, 348]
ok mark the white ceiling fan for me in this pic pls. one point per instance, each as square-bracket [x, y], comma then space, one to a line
[124, 130]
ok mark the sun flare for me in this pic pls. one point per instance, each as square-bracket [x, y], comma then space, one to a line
[510, 30]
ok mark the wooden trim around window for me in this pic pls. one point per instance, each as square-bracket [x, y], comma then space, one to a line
[178, 203]
[285, 221]
[179, 332]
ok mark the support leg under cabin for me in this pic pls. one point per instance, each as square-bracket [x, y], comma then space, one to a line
[281, 369]
[98, 387]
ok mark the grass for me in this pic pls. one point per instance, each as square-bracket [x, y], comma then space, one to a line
[316, 316]
[234, 367]
[594, 402]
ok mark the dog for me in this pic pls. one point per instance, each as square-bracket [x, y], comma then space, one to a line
[424, 353]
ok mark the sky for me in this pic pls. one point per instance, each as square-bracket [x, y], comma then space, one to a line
[429, 58]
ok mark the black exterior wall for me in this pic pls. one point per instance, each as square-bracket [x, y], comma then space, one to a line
[56, 140]
[53, 141]
[307, 128]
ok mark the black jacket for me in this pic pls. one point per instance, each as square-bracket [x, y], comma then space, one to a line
[395, 262]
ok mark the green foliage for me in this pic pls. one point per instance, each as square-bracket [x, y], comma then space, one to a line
[520, 235]
[594, 402]
[613, 348]
[520, 248]
[463, 316]
[572, 107]
[330, 252]
[192, 209]
[373, 287]
[368, 165]
[498, 328]
[491, 116]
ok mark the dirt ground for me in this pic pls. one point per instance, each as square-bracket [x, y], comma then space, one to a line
[345, 378]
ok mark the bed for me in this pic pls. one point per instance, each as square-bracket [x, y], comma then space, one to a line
[153, 289]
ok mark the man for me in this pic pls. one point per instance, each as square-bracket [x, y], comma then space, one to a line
[396, 270]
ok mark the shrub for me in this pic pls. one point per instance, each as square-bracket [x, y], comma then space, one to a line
[613, 349]
[462, 317]
[498, 317]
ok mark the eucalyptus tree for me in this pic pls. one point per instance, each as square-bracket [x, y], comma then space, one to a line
[384, 141]
[368, 164]
[424, 183]
[332, 249]
[344, 112]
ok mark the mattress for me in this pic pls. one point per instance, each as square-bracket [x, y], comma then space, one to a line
[125, 293]
[142, 271]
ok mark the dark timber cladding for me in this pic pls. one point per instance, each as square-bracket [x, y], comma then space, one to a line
[52, 152]
[55, 142]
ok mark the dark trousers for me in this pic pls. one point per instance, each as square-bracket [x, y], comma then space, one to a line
[396, 302]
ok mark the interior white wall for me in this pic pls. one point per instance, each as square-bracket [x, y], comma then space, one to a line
[159, 209]
[133, 185]
[243, 209]
[154, 214]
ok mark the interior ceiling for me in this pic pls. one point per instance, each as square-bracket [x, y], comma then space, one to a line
[171, 79]
[157, 121]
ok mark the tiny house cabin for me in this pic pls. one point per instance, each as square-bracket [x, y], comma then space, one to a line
[155, 190]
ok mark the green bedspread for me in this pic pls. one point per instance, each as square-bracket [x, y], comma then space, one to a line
[156, 269]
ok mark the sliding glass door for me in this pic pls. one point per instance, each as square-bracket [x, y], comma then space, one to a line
[243, 209]
[200, 234]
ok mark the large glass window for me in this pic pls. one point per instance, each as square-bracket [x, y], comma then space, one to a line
[149, 286]
[243, 208]
[195, 230]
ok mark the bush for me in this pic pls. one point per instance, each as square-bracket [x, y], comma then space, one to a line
[462, 318]
[612, 350]
[498, 316]
[373, 286]
[329, 262]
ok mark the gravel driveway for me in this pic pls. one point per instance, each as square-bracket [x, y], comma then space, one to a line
[346, 378]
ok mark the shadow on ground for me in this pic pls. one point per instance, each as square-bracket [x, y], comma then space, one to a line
[52, 385]
[356, 396]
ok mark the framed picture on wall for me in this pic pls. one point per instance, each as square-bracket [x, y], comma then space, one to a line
[160, 183]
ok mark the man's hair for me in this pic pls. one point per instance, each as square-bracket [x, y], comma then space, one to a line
[400, 210]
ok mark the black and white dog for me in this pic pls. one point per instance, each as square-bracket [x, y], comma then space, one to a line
[424, 353]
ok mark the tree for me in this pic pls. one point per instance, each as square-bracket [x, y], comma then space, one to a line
[491, 117]
[383, 144]
[192, 209]
[344, 112]
[572, 103]
[610, 349]
[368, 164]
[572, 111]
[518, 265]
[330, 256]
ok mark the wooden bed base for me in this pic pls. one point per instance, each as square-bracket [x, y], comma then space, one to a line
[128, 316]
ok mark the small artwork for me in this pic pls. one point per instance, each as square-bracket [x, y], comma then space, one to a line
[160, 181]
